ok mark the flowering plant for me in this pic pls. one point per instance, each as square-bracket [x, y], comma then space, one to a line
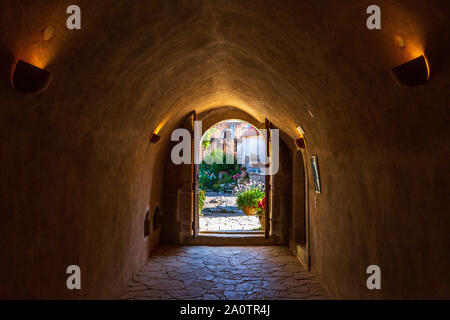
[206, 179]
[249, 193]
[261, 207]
[249, 198]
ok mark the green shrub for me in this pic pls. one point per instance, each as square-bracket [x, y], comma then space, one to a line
[249, 198]
[216, 187]
[211, 163]
[226, 179]
[209, 173]
[206, 179]
[201, 200]
[207, 138]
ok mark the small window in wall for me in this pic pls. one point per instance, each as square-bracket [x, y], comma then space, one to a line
[156, 218]
[147, 223]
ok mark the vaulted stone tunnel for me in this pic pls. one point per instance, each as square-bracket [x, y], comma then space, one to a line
[78, 171]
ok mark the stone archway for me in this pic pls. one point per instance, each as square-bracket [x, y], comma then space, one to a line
[177, 224]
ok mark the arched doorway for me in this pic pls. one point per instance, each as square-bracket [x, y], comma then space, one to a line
[231, 178]
[181, 224]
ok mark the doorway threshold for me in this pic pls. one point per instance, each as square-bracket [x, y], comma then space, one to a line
[233, 239]
[232, 232]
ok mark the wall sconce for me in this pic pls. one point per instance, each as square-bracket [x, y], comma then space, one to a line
[28, 78]
[155, 137]
[413, 73]
[300, 142]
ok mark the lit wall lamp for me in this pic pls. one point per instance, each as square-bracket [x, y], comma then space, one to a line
[300, 142]
[413, 73]
[28, 78]
[155, 137]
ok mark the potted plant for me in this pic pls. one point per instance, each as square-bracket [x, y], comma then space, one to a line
[248, 200]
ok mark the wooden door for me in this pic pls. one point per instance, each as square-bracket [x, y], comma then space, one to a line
[190, 125]
[266, 228]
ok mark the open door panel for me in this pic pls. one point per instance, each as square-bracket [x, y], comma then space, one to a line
[190, 125]
[266, 228]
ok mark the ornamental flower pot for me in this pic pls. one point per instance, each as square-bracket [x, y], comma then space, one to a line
[250, 211]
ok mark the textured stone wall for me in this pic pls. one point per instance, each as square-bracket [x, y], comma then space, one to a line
[78, 171]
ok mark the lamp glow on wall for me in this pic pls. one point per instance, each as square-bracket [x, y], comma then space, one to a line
[301, 142]
[412, 73]
[28, 78]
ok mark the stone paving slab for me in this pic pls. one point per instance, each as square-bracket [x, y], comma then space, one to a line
[224, 273]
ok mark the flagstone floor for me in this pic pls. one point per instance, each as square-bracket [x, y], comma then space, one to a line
[225, 273]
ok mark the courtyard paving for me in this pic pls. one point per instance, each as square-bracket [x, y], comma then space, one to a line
[220, 213]
[225, 273]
